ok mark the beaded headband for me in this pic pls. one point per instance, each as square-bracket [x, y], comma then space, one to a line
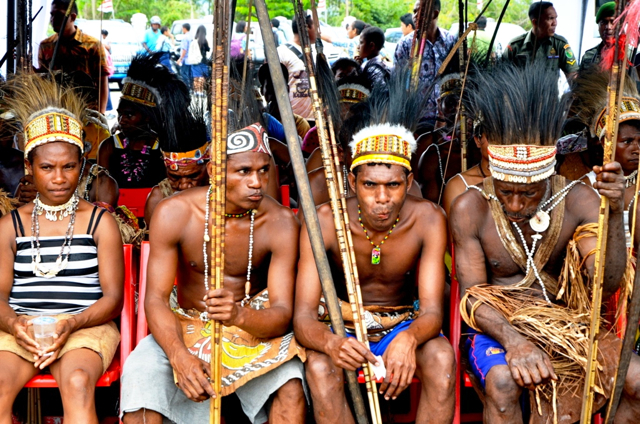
[173, 160]
[353, 93]
[384, 143]
[521, 163]
[57, 125]
[139, 92]
[629, 111]
[252, 138]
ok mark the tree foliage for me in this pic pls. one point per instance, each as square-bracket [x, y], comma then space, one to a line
[517, 12]
[382, 13]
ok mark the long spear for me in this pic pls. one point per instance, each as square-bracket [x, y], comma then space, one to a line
[462, 53]
[338, 207]
[220, 94]
[616, 84]
[306, 198]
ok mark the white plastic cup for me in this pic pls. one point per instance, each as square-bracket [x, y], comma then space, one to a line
[44, 328]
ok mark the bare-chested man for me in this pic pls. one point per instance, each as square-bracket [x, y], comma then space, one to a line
[261, 245]
[510, 239]
[394, 235]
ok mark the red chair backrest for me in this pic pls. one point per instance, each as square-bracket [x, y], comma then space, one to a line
[129, 307]
[141, 328]
[134, 199]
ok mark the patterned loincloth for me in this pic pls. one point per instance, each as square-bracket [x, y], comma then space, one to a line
[244, 356]
[380, 320]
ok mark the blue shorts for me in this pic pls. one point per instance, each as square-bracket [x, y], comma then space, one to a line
[378, 348]
[484, 354]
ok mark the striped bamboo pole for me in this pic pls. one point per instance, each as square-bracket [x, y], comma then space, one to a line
[220, 93]
[616, 85]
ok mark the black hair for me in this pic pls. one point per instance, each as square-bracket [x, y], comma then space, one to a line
[264, 73]
[163, 29]
[345, 62]
[388, 165]
[275, 22]
[241, 26]
[186, 26]
[515, 105]
[407, 19]
[32, 152]
[359, 26]
[201, 36]
[104, 32]
[64, 4]
[536, 9]
[372, 34]
[482, 22]
[294, 23]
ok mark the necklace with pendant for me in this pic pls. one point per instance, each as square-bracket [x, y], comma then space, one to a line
[376, 253]
[630, 180]
[207, 239]
[541, 220]
[36, 261]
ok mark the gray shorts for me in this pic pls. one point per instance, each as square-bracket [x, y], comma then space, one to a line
[147, 383]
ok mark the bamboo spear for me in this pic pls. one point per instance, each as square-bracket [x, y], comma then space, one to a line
[462, 53]
[220, 94]
[616, 84]
[306, 198]
[338, 208]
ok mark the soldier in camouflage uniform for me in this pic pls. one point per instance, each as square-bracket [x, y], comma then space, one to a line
[542, 43]
[604, 19]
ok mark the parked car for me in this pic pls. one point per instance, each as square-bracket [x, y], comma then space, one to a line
[391, 36]
[124, 43]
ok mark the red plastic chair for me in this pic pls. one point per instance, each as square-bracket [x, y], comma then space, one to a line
[134, 199]
[114, 371]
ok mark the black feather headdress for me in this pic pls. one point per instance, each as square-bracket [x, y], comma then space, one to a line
[514, 105]
[158, 94]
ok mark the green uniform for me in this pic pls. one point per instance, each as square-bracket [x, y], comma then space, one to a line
[591, 57]
[555, 51]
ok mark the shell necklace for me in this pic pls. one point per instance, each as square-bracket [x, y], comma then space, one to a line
[70, 208]
[207, 239]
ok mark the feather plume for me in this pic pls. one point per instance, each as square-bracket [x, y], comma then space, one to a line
[514, 105]
[589, 93]
[31, 95]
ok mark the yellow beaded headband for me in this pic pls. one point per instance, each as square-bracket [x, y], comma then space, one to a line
[139, 92]
[353, 93]
[629, 111]
[173, 160]
[58, 125]
[384, 143]
[521, 163]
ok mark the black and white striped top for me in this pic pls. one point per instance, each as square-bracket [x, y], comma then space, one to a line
[73, 290]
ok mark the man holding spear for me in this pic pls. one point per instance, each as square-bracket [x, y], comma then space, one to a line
[524, 241]
[168, 375]
[394, 234]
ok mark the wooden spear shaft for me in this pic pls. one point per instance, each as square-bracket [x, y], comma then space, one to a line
[616, 84]
[306, 198]
[220, 77]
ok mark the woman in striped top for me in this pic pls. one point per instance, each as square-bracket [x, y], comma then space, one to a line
[56, 244]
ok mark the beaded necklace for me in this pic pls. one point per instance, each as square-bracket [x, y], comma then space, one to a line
[207, 239]
[60, 264]
[376, 252]
[539, 223]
